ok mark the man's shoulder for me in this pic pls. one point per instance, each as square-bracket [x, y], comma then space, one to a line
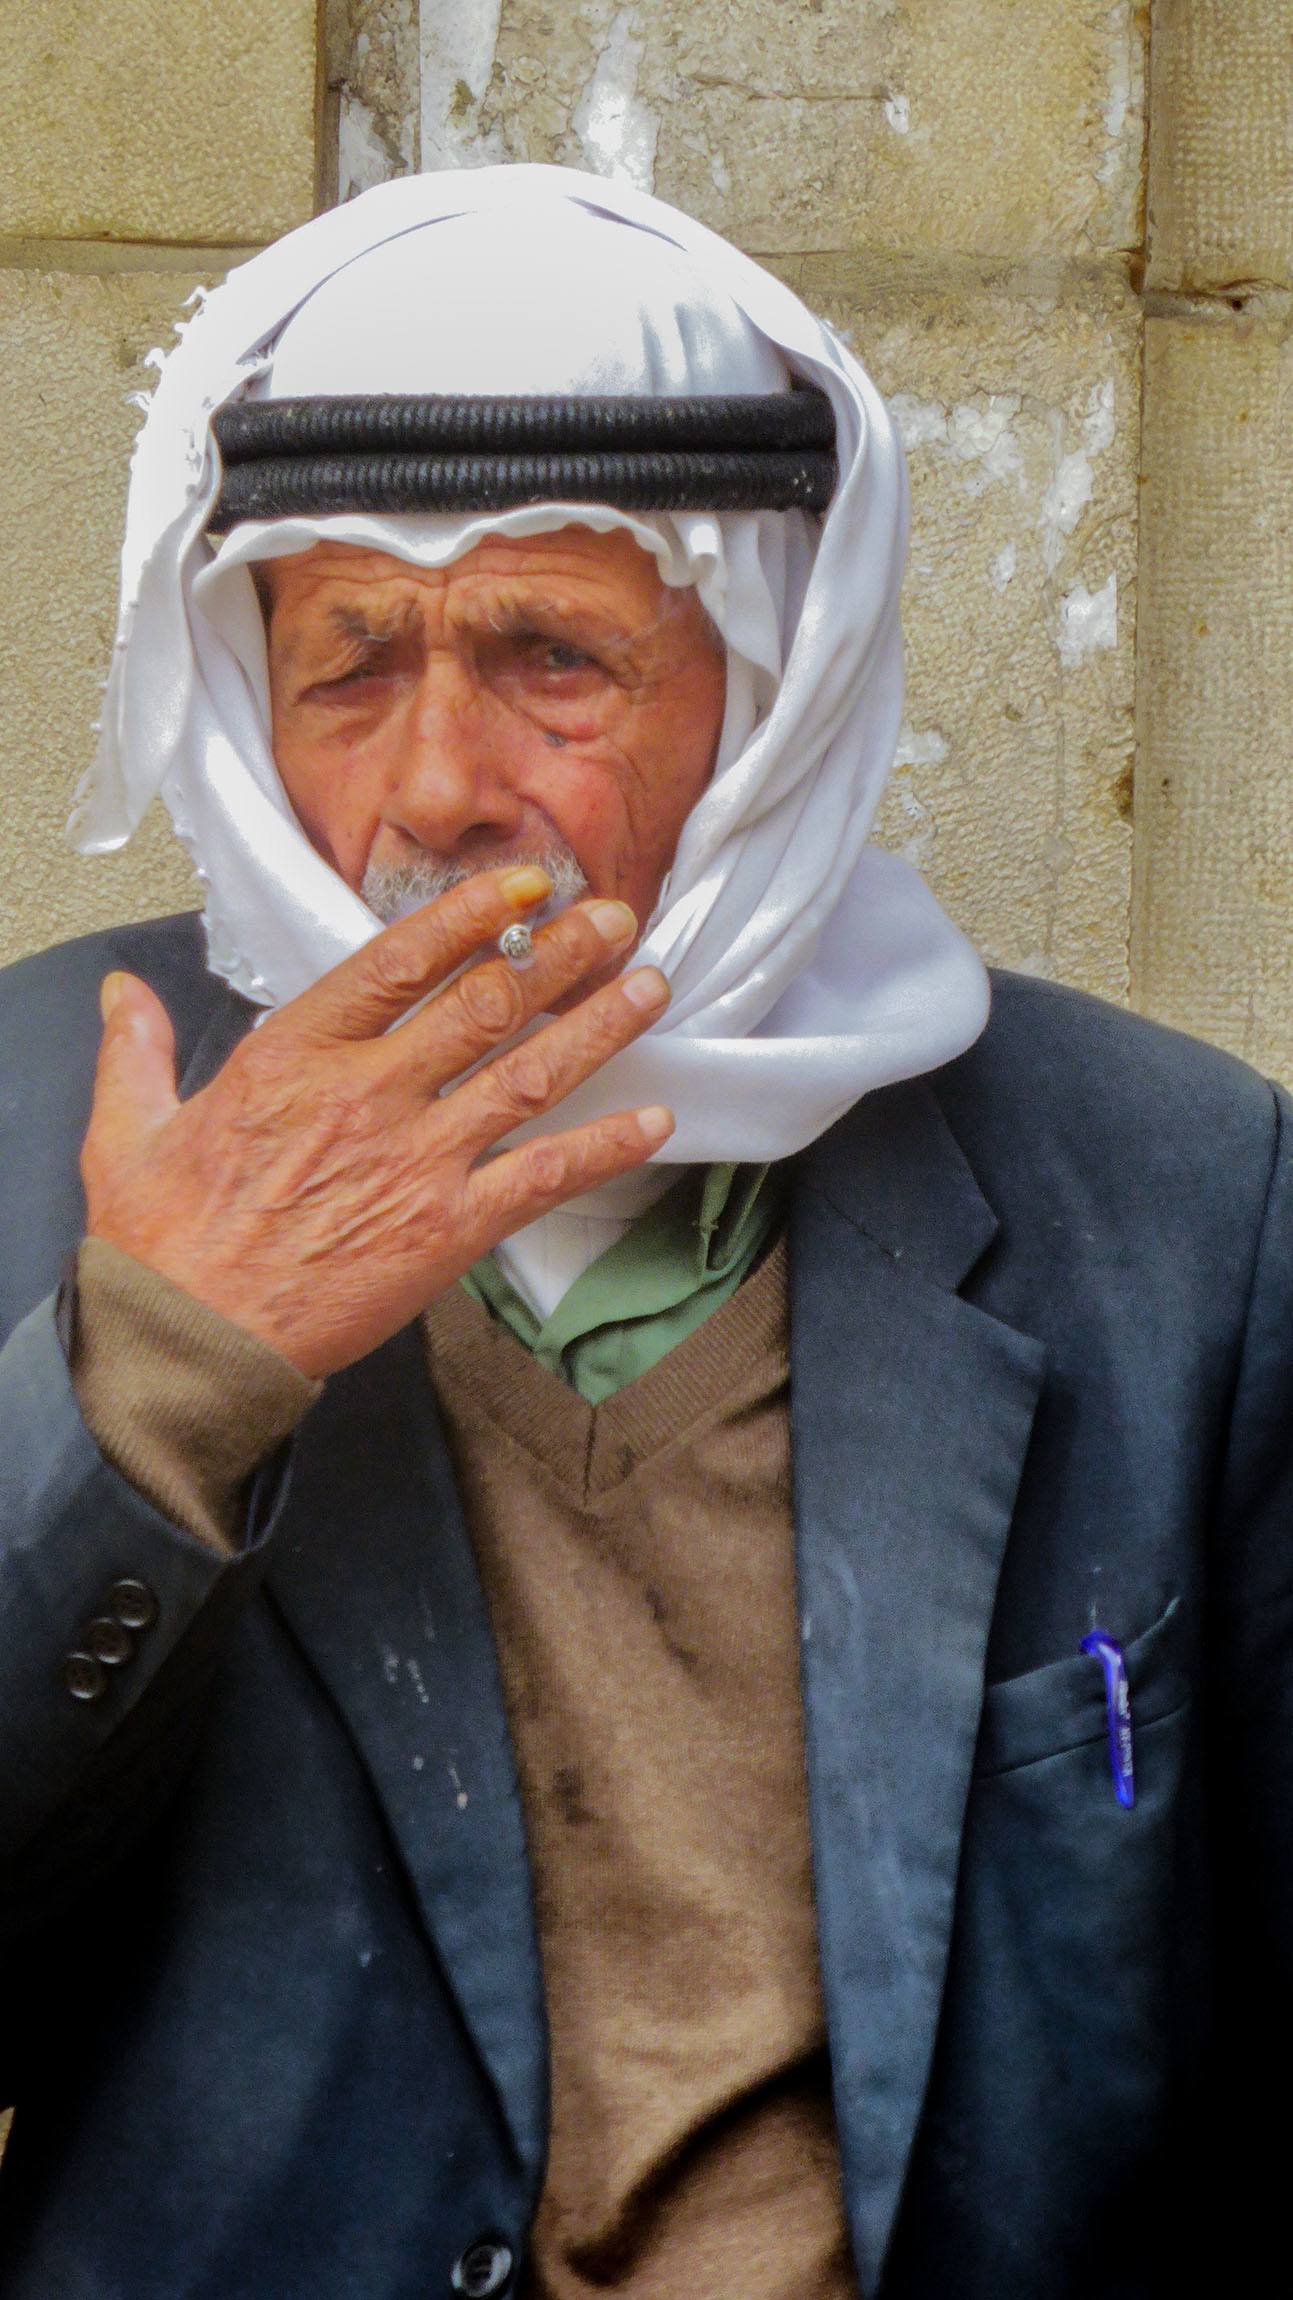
[52, 996]
[1068, 1050]
[156, 948]
[1067, 1093]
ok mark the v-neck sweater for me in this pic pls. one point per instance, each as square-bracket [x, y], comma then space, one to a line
[637, 1560]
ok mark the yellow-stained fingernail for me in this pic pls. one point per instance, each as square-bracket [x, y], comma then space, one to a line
[525, 885]
[110, 990]
[656, 1123]
[647, 987]
[613, 921]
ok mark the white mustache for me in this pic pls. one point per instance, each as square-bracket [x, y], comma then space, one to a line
[392, 890]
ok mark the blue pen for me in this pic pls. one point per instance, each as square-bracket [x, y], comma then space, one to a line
[1117, 1694]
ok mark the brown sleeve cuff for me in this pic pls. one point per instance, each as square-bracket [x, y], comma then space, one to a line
[182, 1401]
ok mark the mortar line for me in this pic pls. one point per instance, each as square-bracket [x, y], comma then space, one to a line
[1138, 863]
[115, 257]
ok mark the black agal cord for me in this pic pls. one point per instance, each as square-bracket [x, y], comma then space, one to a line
[773, 451]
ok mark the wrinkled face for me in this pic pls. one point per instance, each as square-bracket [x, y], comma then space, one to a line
[545, 696]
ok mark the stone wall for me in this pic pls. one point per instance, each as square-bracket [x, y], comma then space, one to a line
[1212, 941]
[1059, 233]
[147, 146]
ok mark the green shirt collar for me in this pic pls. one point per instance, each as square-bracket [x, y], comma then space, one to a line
[673, 1266]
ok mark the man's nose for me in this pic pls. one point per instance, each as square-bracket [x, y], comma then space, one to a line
[449, 765]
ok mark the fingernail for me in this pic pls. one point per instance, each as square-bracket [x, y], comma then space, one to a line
[528, 884]
[613, 921]
[656, 1123]
[110, 990]
[645, 988]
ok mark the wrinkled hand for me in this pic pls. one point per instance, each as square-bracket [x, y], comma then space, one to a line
[321, 1191]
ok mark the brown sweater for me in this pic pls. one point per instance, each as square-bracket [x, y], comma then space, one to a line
[637, 1561]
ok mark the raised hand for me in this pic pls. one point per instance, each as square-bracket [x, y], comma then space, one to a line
[323, 1189]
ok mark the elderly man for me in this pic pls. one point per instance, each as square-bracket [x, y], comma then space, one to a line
[647, 1576]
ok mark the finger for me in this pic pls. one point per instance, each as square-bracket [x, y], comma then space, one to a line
[530, 1079]
[489, 1003]
[521, 1184]
[365, 994]
[134, 1080]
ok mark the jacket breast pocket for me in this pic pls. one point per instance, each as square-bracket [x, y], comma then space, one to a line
[1057, 2012]
[1063, 1705]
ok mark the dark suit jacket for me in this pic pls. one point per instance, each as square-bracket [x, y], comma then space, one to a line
[272, 2012]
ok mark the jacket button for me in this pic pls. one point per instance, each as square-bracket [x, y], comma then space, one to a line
[484, 2267]
[133, 1603]
[85, 1678]
[108, 1639]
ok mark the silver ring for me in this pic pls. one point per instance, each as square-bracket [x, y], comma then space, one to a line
[517, 945]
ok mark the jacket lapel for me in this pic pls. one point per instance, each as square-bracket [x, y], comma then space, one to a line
[374, 1572]
[911, 1414]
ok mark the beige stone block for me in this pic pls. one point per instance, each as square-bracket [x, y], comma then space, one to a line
[74, 348]
[1221, 147]
[971, 127]
[166, 120]
[1013, 785]
[1213, 946]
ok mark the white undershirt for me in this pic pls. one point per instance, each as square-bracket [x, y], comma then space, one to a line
[543, 1260]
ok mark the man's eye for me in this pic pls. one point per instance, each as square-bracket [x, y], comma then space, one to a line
[357, 676]
[538, 656]
[558, 656]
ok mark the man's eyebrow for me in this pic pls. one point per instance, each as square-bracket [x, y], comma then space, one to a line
[364, 623]
[343, 624]
[509, 607]
[512, 617]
